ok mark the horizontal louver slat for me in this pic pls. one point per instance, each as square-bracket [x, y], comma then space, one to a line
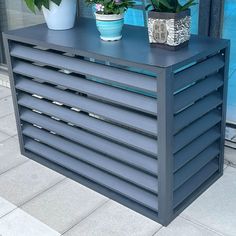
[194, 148]
[195, 165]
[122, 187]
[90, 157]
[197, 91]
[197, 110]
[114, 150]
[196, 129]
[198, 71]
[132, 139]
[124, 117]
[135, 80]
[195, 182]
[92, 88]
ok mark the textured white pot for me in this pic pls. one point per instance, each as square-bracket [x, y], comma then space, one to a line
[61, 17]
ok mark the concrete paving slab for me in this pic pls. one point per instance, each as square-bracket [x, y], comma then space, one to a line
[8, 125]
[10, 155]
[3, 136]
[183, 227]
[5, 207]
[230, 155]
[4, 92]
[22, 183]
[19, 223]
[216, 208]
[116, 220]
[6, 106]
[64, 205]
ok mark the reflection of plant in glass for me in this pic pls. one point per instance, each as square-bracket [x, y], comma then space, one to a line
[170, 5]
[32, 4]
[108, 7]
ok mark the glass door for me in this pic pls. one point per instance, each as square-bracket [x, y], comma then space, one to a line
[229, 32]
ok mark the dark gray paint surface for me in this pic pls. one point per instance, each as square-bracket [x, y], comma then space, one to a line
[141, 125]
[133, 47]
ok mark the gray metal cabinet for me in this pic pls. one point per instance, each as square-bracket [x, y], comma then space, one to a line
[141, 125]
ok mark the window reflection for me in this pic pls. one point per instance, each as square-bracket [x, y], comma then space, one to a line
[229, 32]
[17, 15]
[13, 15]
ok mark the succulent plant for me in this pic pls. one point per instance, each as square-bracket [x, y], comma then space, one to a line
[173, 6]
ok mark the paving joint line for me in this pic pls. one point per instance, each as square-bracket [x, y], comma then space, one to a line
[7, 115]
[156, 232]
[80, 221]
[231, 164]
[9, 212]
[4, 140]
[10, 135]
[5, 96]
[39, 193]
[193, 221]
[14, 167]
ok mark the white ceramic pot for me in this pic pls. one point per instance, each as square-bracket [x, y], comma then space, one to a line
[61, 17]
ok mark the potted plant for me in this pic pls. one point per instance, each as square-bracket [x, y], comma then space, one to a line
[58, 14]
[169, 23]
[109, 16]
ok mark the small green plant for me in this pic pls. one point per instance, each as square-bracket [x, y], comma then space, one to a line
[172, 6]
[109, 7]
[33, 4]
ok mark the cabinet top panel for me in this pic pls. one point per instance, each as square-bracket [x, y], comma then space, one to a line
[133, 48]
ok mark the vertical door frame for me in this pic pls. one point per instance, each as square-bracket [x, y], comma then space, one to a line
[3, 15]
[211, 18]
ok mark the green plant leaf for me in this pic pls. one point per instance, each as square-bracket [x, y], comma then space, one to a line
[170, 5]
[187, 5]
[58, 2]
[147, 7]
[166, 4]
[155, 4]
[30, 4]
[38, 3]
[46, 4]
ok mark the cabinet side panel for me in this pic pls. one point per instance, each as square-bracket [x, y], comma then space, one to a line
[7, 47]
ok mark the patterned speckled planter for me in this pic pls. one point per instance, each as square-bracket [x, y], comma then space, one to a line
[169, 30]
[110, 26]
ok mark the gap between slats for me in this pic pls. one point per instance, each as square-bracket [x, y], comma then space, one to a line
[195, 182]
[90, 87]
[198, 71]
[136, 80]
[197, 110]
[197, 91]
[121, 135]
[116, 151]
[196, 129]
[195, 147]
[123, 171]
[125, 117]
[195, 165]
[115, 184]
